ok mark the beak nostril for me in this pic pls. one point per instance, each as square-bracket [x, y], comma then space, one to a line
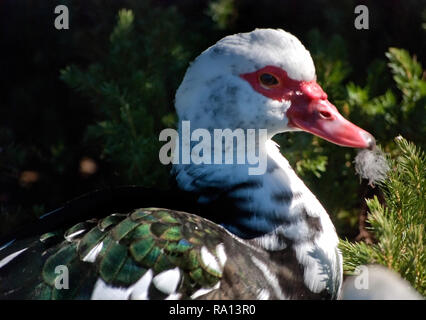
[325, 114]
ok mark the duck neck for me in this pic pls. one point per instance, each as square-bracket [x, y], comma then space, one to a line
[275, 212]
[275, 205]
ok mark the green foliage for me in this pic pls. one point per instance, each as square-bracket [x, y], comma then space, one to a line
[408, 75]
[394, 112]
[131, 89]
[222, 12]
[399, 226]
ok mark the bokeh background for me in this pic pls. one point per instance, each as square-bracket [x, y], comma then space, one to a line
[81, 109]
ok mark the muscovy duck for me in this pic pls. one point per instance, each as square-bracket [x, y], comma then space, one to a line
[260, 236]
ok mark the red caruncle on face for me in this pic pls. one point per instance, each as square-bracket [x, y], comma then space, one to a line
[310, 109]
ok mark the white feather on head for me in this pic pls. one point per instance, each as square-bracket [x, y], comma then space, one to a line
[219, 68]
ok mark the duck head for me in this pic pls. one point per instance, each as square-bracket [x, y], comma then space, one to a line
[264, 79]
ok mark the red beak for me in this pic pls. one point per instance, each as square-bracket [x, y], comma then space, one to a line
[311, 111]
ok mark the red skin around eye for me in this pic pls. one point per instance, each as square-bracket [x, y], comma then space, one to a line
[287, 88]
[310, 110]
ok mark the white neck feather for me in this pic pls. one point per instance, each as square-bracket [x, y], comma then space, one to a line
[280, 195]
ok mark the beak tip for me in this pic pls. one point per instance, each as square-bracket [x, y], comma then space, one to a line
[371, 142]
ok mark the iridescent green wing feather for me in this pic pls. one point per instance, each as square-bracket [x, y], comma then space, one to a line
[117, 250]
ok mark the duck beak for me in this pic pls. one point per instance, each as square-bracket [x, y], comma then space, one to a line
[315, 114]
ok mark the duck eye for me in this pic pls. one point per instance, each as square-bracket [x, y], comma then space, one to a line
[268, 80]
